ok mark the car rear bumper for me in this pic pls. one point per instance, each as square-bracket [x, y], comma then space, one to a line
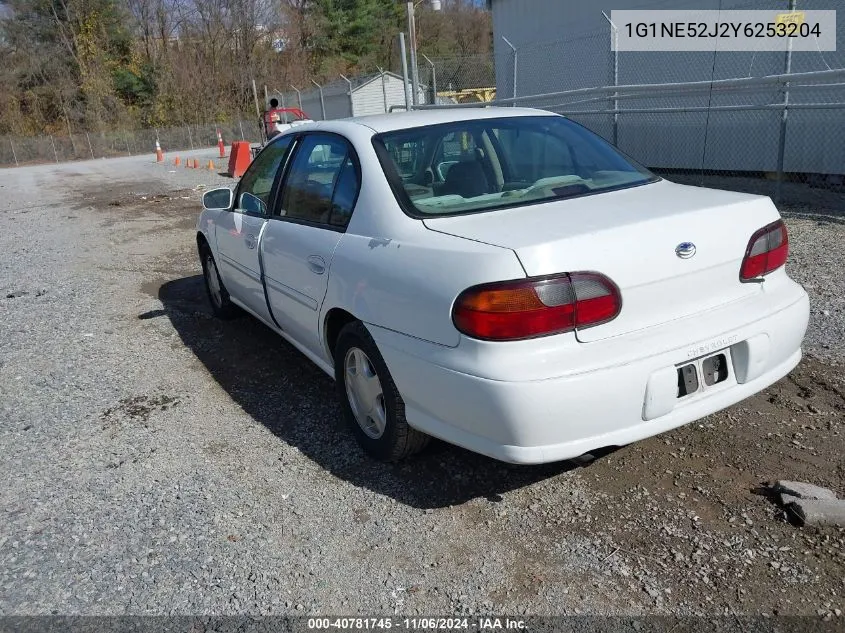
[577, 408]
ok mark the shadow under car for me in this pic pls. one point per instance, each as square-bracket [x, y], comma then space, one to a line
[283, 390]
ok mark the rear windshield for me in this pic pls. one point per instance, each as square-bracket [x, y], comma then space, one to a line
[471, 166]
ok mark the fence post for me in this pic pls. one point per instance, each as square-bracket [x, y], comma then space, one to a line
[126, 140]
[241, 125]
[614, 46]
[351, 105]
[784, 115]
[53, 143]
[190, 137]
[90, 149]
[515, 59]
[433, 80]
[322, 103]
[255, 96]
[14, 154]
[298, 95]
[383, 90]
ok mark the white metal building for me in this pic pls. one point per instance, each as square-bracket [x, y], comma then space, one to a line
[372, 94]
[545, 46]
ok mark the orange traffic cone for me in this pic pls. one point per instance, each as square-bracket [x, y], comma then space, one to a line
[177, 161]
[220, 146]
[239, 159]
[159, 153]
[211, 165]
[196, 164]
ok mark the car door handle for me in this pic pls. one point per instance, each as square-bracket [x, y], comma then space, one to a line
[250, 241]
[317, 264]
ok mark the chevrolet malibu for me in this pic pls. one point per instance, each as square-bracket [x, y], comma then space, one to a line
[504, 280]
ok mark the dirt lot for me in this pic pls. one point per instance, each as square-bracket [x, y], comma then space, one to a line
[158, 461]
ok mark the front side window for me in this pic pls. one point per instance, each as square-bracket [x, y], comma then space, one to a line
[257, 183]
[487, 164]
[323, 182]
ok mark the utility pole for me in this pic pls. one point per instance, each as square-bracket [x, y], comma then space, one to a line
[412, 42]
[412, 35]
[404, 71]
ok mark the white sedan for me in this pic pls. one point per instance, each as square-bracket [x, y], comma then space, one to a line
[503, 279]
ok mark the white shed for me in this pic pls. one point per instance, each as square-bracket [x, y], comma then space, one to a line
[377, 94]
[371, 94]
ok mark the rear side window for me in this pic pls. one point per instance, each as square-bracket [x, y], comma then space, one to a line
[345, 193]
[323, 182]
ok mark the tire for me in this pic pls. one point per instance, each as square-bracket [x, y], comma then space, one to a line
[218, 296]
[382, 431]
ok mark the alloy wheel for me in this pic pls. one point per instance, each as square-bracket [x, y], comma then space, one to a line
[364, 392]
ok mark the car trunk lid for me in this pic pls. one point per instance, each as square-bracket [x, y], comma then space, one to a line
[631, 236]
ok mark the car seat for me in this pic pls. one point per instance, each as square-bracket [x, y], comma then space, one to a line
[466, 179]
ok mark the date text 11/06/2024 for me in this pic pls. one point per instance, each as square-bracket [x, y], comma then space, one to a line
[415, 624]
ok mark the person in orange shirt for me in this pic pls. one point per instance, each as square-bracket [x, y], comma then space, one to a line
[272, 116]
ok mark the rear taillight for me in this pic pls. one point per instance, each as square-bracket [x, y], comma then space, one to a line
[767, 251]
[527, 308]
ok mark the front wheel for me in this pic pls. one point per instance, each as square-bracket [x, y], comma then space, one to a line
[370, 401]
[218, 296]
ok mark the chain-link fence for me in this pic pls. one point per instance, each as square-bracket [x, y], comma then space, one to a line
[471, 78]
[460, 79]
[442, 80]
[19, 150]
[766, 122]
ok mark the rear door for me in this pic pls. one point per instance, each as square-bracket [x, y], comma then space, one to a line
[314, 207]
[238, 232]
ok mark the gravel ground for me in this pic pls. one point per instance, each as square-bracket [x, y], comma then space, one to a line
[158, 461]
[816, 238]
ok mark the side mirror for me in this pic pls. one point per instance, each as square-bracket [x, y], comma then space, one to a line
[220, 198]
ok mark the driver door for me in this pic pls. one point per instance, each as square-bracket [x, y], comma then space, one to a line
[238, 232]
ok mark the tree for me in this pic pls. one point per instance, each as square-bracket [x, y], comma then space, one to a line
[66, 54]
[95, 64]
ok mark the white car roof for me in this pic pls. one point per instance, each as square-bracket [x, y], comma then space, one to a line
[418, 118]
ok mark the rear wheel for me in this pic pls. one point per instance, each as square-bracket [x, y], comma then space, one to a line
[370, 401]
[218, 296]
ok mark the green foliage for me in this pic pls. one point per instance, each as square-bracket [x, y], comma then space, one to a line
[353, 30]
[134, 88]
[95, 64]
